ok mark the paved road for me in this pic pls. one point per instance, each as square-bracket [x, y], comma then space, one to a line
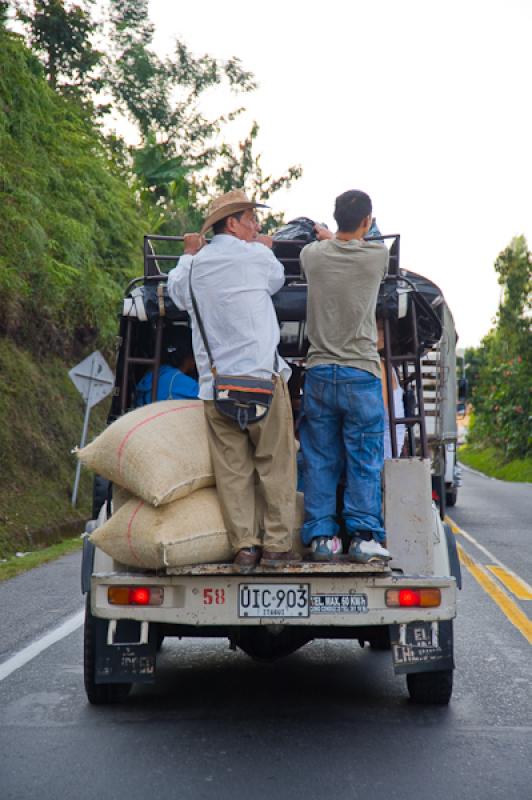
[499, 515]
[331, 721]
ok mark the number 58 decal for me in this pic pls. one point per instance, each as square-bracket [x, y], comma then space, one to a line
[213, 597]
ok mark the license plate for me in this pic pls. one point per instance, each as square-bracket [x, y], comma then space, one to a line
[276, 600]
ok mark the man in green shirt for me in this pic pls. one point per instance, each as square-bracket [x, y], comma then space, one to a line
[343, 413]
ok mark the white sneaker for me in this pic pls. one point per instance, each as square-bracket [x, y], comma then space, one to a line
[363, 552]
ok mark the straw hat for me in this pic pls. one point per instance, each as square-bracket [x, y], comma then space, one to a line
[226, 205]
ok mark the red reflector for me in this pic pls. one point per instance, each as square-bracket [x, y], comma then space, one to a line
[409, 597]
[139, 596]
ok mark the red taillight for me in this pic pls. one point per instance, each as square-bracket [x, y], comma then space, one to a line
[135, 595]
[139, 597]
[413, 598]
[409, 597]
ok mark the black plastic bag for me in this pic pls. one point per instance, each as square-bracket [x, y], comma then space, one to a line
[289, 240]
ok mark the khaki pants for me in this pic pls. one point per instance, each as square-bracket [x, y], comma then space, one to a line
[255, 473]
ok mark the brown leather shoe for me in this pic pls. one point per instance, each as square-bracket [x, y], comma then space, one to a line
[247, 558]
[270, 558]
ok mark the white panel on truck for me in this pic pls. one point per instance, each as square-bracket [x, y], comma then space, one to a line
[408, 514]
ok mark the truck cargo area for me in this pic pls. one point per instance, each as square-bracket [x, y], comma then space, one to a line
[405, 606]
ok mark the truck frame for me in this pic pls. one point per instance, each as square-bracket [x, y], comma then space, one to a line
[406, 606]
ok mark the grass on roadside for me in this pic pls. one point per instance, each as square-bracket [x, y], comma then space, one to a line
[491, 462]
[17, 564]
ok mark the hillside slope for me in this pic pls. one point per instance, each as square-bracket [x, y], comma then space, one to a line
[70, 239]
[41, 415]
[70, 225]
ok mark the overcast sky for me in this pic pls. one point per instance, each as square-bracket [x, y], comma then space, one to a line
[424, 104]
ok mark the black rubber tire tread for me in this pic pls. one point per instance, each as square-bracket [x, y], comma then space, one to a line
[430, 688]
[450, 497]
[98, 694]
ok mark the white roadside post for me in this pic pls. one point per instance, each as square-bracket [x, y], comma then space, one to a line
[94, 380]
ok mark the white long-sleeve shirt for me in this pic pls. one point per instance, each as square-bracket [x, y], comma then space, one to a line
[233, 282]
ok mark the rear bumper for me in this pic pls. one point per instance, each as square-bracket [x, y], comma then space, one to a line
[212, 600]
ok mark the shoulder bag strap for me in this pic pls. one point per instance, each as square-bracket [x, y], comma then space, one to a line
[200, 321]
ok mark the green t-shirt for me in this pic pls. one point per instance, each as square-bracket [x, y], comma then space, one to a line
[343, 285]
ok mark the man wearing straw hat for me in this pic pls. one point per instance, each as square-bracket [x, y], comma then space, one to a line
[233, 279]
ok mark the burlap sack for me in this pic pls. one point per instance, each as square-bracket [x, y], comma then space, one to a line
[159, 452]
[186, 532]
[120, 497]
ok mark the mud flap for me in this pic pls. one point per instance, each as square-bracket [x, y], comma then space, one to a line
[422, 646]
[128, 659]
[454, 560]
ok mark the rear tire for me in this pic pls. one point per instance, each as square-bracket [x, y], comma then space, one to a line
[450, 497]
[98, 694]
[430, 688]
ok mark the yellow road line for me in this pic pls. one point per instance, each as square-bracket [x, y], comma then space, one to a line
[505, 603]
[452, 524]
[519, 587]
[516, 585]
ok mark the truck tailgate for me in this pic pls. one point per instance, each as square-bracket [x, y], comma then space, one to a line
[301, 594]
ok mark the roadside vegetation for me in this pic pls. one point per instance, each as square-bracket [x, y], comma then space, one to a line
[499, 373]
[41, 413]
[491, 462]
[24, 561]
[76, 200]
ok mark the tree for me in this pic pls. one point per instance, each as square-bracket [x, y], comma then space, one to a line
[70, 227]
[63, 37]
[4, 11]
[161, 95]
[242, 169]
[180, 161]
[502, 392]
[166, 193]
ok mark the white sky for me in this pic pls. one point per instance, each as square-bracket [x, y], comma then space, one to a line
[424, 104]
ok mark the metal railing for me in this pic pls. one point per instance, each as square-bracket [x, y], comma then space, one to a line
[409, 364]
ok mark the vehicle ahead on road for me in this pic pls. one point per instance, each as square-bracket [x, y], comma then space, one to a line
[406, 606]
[441, 395]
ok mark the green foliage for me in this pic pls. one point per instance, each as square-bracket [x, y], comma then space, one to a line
[62, 36]
[71, 230]
[42, 414]
[502, 366]
[16, 565]
[493, 462]
[161, 95]
[182, 158]
[75, 205]
[4, 10]
[180, 162]
[242, 169]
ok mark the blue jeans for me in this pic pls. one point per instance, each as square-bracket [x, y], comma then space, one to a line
[342, 422]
